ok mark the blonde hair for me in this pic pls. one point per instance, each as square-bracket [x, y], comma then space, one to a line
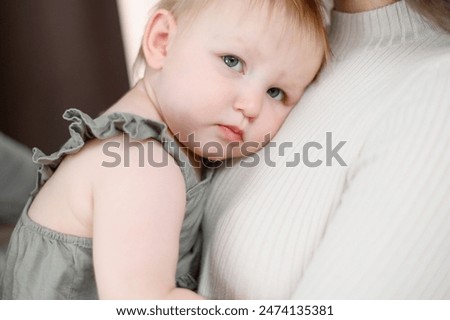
[435, 11]
[308, 14]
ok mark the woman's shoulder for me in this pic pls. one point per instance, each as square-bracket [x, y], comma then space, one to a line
[428, 69]
[432, 52]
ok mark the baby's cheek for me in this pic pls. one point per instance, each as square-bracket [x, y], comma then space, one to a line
[270, 128]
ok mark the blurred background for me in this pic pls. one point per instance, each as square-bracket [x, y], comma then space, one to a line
[55, 55]
[60, 54]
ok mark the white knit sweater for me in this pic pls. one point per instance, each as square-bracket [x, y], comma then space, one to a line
[378, 228]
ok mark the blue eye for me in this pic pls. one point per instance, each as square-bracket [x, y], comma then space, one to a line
[233, 62]
[276, 93]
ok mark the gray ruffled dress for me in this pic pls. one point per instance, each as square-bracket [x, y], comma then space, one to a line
[45, 264]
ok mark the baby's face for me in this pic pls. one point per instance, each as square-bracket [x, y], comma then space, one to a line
[231, 78]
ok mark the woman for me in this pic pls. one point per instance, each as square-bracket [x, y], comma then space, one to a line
[350, 201]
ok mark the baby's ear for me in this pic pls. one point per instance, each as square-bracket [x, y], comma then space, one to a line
[158, 33]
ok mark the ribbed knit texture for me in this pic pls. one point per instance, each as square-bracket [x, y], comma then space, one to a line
[378, 228]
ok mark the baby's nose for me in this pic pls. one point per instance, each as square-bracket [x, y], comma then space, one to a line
[250, 105]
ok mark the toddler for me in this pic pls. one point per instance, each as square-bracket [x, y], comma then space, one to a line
[217, 73]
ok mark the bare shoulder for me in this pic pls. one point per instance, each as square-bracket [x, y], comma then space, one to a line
[115, 170]
[64, 203]
[131, 173]
[121, 158]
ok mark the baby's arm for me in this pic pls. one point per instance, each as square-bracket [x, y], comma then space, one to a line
[138, 213]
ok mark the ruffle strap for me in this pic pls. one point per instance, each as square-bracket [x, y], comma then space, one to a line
[83, 128]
